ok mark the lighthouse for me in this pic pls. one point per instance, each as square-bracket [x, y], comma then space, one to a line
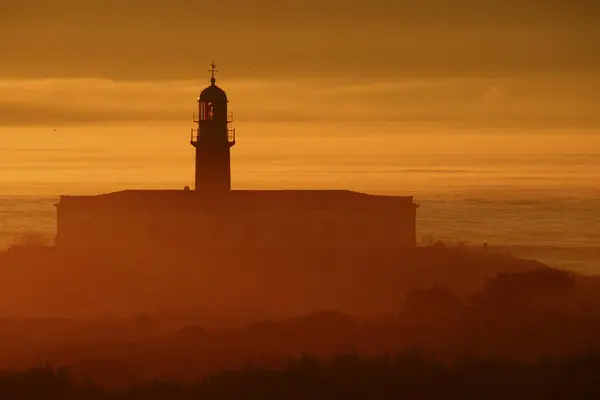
[213, 139]
[214, 219]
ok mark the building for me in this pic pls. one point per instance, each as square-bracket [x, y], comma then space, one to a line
[214, 217]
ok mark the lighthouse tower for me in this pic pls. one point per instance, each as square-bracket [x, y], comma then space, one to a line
[213, 139]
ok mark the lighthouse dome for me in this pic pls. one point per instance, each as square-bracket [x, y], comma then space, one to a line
[213, 93]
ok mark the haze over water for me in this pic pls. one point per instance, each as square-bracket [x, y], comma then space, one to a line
[540, 201]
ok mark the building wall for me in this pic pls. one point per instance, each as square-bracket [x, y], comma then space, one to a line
[130, 228]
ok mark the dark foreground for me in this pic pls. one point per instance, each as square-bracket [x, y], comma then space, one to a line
[530, 331]
[407, 375]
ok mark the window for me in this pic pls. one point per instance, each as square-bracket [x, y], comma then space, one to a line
[207, 111]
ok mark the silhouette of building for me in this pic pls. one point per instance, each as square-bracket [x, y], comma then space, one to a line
[215, 217]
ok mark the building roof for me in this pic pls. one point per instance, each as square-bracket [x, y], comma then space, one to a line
[238, 199]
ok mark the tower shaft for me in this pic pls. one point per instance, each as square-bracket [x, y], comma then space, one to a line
[213, 167]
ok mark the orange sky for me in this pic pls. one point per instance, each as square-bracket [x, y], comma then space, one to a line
[506, 63]
[172, 39]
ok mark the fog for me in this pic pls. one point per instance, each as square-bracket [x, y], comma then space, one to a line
[488, 110]
[526, 102]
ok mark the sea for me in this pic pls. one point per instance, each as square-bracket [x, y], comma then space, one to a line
[533, 193]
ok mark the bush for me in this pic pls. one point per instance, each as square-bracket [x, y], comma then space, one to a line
[407, 375]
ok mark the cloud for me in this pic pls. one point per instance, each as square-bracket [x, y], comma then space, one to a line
[89, 101]
[379, 39]
[529, 101]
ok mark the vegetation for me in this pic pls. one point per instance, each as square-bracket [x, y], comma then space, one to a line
[530, 333]
[409, 374]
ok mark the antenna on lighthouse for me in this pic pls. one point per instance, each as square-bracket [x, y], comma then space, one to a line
[212, 71]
